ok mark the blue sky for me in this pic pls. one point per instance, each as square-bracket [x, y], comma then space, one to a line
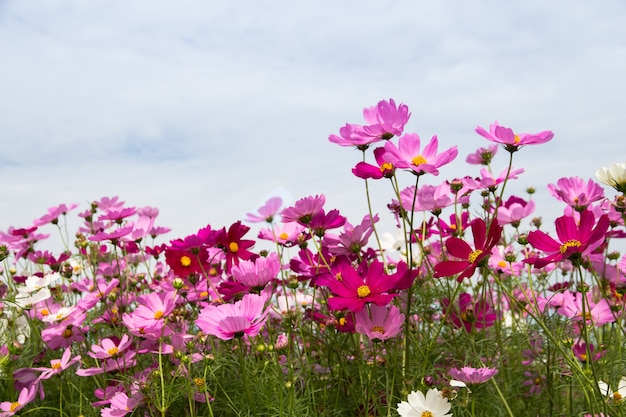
[206, 109]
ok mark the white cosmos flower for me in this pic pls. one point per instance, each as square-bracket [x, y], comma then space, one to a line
[618, 395]
[35, 283]
[614, 175]
[417, 405]
[13, 328]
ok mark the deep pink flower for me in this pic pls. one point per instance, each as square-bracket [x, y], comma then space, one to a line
[226, 321]
[184, 262]
[380, 322]
[574, 192]
[469, 315]
[469, 375]
[470, 258]
[267, 212]
[368, 171]
[511, 141]
[233, 244]
[574, 240]
[407, 155]
[352, 289]
[322, 221]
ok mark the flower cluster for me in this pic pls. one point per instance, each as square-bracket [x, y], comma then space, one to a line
[468, 301]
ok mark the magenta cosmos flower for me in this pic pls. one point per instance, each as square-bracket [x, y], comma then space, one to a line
[303, 211]
[225, 321]
[574, 240]
[575, 193]
[352, 289]
[367, 171]
[511, 141]
[469, 314]
[407, 155]
[383, 121]
[469, 257]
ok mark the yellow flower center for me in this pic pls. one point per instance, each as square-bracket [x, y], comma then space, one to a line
[112, 351]
[67, 333]
[418, 160]
[204, 294]
[198, 381]
[363, 291]
[342, 321]
[185, 260]
[233, 247]
[44, 312]
[378, 329]
[283, 236]
[474, 255]
[572, 243]
[517, 139]
[158, 314]
[617, 396]
[502, 264]
[386, 166]
[338, 277]
[14, 406]
[426, 414]
[56, 365]
[583, 357]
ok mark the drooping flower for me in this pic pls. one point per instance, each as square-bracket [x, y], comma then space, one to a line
[430, 405]
[469, 314]
[380, 322]
[614, 176]
[511, 141]
[225, 321]
[574, 240]
[407, 155]
[574, 192]
[369, 171]
[470, 258]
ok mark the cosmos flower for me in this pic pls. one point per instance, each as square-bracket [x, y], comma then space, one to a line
[574, 192]
[614, 176]
[380, 322]
[409, 155]
[419, 405]
[267, 212]
[225, 321]
[469, 375]
[511, 141]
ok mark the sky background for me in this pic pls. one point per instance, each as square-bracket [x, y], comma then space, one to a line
[205, 109]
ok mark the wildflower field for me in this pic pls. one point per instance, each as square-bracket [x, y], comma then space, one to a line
[467, 308]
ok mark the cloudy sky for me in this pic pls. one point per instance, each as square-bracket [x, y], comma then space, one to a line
[204, 109]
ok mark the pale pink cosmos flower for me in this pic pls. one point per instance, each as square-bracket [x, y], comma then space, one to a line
[435, 198]
[595, 314]
[267, 212]
[511, 141]
[574, 192]
[58, 365]
[225, 321]
[482, 156]
[153, 309]
[258, 273]
[407, 155]
[110, 347]
[353, 239]
[287, 234]
[27, 395]
[121, 404]
[54, 213]
[469, 375]
[514, 210]
[380, 322]
[383, 121]
[304, 209]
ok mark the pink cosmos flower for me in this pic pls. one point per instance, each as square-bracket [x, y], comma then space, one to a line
[435, 198]
[469, 375]
[407, 155]
[304, 209]
[380, 322]
[383, 122]
[575, 240]
[352, 289]
[27, 395]
[595, 314]
[54, 213]
[469, 314]
[482, 156]
[121, 404]
[511, 141]
[225, 321]
[286, 234]
[383, 170]
[353, 239]
[514, 210]
[469, 258]
[267, 212]
[110, 347]
[574, 192]
[258, 273]
[153, 309]
[58, 365]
